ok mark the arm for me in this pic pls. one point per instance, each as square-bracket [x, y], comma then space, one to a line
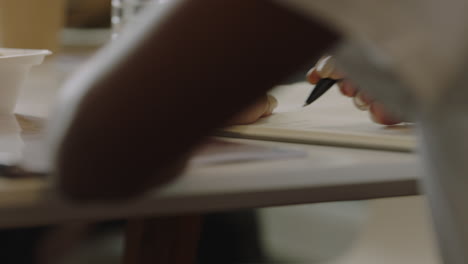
[126, 120]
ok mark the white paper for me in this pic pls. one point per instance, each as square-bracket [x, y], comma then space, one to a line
[221, 152]
[331, 120]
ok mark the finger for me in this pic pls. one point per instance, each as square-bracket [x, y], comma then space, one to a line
[272, 104]
[364, 97]
[347, 88]
[381, 116]
[361, 101]
[312, 76]
[262, 107]
[326, 68]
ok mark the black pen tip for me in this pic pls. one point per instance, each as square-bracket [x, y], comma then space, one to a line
[320, 88]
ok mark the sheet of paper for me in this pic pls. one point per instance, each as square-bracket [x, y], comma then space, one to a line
[331, 120]
[222, 152]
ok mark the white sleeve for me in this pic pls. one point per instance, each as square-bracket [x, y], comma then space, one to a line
[422, 37]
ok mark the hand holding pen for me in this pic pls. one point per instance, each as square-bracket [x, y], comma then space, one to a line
[325, 74]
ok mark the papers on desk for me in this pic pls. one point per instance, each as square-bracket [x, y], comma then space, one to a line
[331, 120]
[222, 152]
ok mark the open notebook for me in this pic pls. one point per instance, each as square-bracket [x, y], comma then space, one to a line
[331, 120]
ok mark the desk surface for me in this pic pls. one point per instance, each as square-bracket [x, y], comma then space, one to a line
[325, 174]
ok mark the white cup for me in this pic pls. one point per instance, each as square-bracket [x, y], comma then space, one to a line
[15, 65]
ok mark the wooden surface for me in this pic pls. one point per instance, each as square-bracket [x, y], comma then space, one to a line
[325, 174]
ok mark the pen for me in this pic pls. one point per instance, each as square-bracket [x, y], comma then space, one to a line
[320, 88]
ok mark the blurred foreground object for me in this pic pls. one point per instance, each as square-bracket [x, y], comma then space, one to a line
[412, 56]
[410, 72]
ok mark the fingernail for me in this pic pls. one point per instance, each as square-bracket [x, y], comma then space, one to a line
[312, 76]
[310, 71]
[272, 104]
[326, 66]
